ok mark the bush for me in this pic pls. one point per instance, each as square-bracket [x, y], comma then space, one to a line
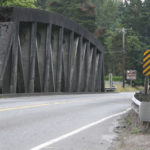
[115, 78]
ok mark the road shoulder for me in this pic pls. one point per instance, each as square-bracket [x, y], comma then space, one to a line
[131, 133]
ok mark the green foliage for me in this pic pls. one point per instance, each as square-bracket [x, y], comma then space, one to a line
[128, 121]
[114, 78]
[106, 11]
[113, 56]
[138, 82]
[135, 131]
[77, 10]
[133, 15]
[21, 3]
[42, 4]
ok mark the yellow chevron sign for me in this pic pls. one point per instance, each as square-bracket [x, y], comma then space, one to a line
[146, 63]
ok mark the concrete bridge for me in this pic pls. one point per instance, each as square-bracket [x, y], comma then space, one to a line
[46, 52]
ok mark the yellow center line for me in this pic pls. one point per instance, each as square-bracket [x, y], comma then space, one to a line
[35, 106]
[31, 106]
[23, 107]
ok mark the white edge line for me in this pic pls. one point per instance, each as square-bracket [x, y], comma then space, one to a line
[41, 146]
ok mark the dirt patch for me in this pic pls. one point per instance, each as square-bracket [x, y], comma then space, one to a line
[132, 134]
[142, 97]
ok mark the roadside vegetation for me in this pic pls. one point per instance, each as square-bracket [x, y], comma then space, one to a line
[133, 134]
[128, 88]
[21, 3]
[114, 78]
[117, 83]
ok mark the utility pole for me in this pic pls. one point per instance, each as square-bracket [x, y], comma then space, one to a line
[123, 31]
[123, 56]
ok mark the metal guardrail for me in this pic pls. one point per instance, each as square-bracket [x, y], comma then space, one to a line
[135, 105]
[142, 109]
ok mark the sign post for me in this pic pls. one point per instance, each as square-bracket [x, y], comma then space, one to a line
[131, 75]
[146, 69]
[110, 80]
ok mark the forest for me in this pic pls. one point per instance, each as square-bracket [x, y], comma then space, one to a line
[105, 20]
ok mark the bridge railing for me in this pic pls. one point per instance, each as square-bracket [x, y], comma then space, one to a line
[46, 52]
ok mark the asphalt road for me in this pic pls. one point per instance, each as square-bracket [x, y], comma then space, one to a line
[63, 122]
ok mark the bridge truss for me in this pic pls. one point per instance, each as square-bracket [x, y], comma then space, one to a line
[46, 52]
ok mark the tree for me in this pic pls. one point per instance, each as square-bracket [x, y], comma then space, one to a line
[106, 12]
[81, 11]
[43, 4]
[135, 15]
[113, 53]
[132, 13]
[22, 3]
[134, 57]
[145, 19]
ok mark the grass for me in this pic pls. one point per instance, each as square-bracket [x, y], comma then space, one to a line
[140, 88]
[128, 121]
[127, 88]
[135, 131]
[114, 78]
[119, 88]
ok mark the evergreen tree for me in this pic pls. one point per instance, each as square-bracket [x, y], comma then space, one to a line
[42, 4]
[132, 13]
[145, 19]
[81, 11]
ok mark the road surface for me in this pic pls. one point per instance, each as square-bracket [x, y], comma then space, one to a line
[62, 122]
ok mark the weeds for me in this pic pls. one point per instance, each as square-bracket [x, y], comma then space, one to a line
[128, 121]
[135, 131]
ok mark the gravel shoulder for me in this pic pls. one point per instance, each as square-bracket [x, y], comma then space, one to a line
[132, 134]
